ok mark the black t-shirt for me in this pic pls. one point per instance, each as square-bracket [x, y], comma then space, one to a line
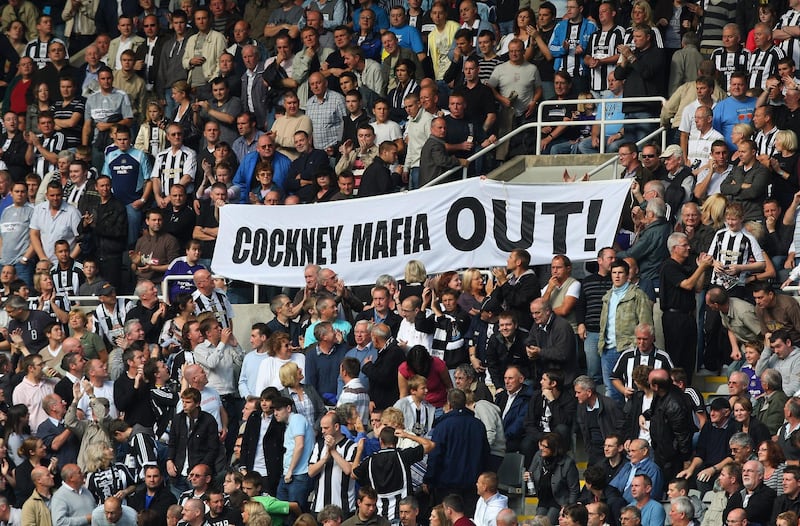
[457, 132]
[32, 329]
[480, 103]
[671, 294]
[559, 112]
[207, 219]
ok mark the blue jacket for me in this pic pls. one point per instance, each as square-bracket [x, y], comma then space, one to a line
[514, 419]
[461, 451]
[560, 34]
[648, 467]
[244, 175]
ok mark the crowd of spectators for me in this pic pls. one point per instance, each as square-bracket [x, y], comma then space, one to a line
[128, 125]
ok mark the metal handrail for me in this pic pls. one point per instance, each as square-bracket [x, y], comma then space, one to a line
[639, 144]
[538, 124]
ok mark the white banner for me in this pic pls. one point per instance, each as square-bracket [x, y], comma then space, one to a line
[470, 223]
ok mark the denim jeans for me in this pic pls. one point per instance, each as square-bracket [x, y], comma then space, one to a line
[134, 224]
[24, 272]
[609, 360]
[593, 368]
[413, 178]
[295, 491]
[170, 105]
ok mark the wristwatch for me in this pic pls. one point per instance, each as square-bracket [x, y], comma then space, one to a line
[23, 260]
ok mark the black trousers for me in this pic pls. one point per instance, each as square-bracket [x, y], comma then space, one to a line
[680, 339]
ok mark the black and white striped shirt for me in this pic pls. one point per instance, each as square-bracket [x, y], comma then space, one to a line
[765, 142]
[732, 248]
[218, 304]
[726, 62]
[763, 63]
[333, 486]
[110, 325]
[658, 39]
[603, 44]
[790, 46]
[68, 281]
[628, 360]
[55, 143]
[170, 166]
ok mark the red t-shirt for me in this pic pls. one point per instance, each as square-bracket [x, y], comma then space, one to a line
[437, 391]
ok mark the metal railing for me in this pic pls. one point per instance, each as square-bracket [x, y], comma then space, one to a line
[539, 124]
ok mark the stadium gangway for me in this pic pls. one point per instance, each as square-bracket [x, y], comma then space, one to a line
[601, 103]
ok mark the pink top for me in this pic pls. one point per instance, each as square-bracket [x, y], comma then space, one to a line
[437, 391]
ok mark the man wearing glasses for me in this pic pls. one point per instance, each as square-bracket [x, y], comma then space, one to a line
[245, 174]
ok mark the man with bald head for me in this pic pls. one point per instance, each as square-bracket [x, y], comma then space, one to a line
[434, 152]
[193, 512]
[208, 298]
[113, 513]
[324, 107]
[36, 509]
[59, 440]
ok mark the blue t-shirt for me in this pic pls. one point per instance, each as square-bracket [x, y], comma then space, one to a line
[408, 37]
[128, 171]
[297, 425]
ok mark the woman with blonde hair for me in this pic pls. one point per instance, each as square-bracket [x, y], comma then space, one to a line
[642, 15]
[307, 401]
[783, 164]
[414, 276]
[254, 514]
[104, 478]
[473, 292]
[712, 213]
[741, 132]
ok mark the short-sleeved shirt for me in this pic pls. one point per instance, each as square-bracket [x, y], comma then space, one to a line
[671, 294]
[14, 230]
[297, 426]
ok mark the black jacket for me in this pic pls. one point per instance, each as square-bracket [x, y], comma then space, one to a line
[562, 414]
[272, 445]
[382, 374]
[161, 501]
[759, 506]
[518, 297]
[393, 320]
[609, 419]
[643, 78]
[109, 230]
[499, 356]
[671, 428]
[200, 443]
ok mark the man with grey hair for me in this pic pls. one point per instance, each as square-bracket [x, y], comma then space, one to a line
[598, 416]
[644, 352]
[382, 373]
[741, 446]
[768, 408]
[680, 279]
[681, 511]
[700, 140]
[650, 248]
[631, 516]
[254, 91]
[738, 384]
[756, 496]
[551, 341]
[193, 513]
[208, 298]
[507, 517]
[72, 504]
[132, 332]
[9, 515]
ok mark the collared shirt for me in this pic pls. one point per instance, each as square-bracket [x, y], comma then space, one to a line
[327, 117]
